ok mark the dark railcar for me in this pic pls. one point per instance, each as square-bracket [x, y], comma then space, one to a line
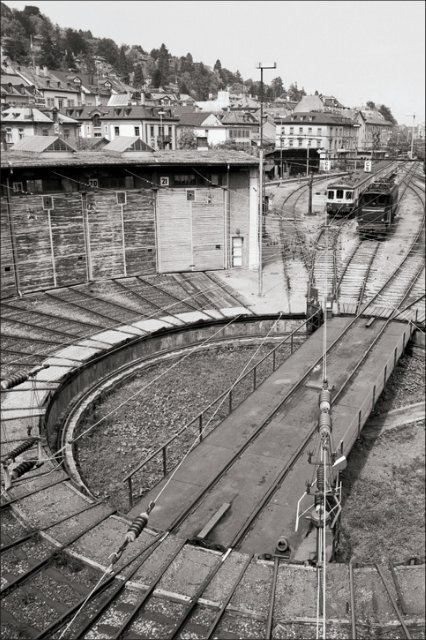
[377, 208]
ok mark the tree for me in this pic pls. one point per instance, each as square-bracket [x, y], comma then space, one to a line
[16, 45]
[50, 50]
[75, 42]
[156, 79]
[277, 87]
[108, 50]
[387, 114]
[217, 66]
[370, 105]
[69, 59]
[187, 139]
[163, 62]
[138, 78]
[123, 67]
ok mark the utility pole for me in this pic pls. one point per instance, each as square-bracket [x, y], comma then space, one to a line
[307, 158]
[413, 115]
[311, 180]
[261, 181]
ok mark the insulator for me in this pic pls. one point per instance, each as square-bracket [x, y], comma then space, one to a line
[137, 526]
[14, 380]
[27, 444]
[22, 468]
[320, 479]
[318, 499]
[324, 424]
[325, 400]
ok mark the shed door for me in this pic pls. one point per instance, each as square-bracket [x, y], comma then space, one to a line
[190, 229]
[174, 233]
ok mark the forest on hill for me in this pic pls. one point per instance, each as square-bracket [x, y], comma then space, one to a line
[30, 38]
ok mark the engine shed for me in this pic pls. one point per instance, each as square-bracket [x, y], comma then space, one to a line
[71, 217]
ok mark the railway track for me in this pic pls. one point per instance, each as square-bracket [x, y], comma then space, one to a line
[35, 326]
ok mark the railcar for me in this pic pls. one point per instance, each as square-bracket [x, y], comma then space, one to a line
[377, 207]
[343, 194]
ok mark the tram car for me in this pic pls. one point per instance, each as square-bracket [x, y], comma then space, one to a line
[377, 207]
[343, 196]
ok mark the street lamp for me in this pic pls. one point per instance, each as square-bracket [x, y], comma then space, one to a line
[412, 115]
[261, 181]
[161, 136]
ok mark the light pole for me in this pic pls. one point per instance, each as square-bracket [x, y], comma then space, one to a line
[261, 182]
[161, 136]
[412, 115]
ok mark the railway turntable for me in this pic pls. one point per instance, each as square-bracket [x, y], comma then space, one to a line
[241, 486]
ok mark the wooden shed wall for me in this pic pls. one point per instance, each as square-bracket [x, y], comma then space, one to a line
[82, 237]
[8, 282]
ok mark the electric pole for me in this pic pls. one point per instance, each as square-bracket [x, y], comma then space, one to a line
[261, 180]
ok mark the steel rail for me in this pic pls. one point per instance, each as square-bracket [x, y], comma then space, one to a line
[270, 618]
[186, 278]
[197, 595]
[36, 532]
[168, 293]
[111, 303]
[46, 633]
[147, 594]
[393, 602]
[366, 276]
[92, 619]
[11, 586]
[3, 505]
[212, 628]
[214, 278]
[352, 597]
[146, 301]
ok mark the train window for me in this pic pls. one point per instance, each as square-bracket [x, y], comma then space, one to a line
[348, 195]
[339, 193]
[331, 195]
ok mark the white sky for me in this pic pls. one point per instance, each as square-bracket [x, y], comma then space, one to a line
[355, 50]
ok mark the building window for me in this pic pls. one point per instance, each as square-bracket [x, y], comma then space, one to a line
[318, 143]
[17, 187]
[309, 142]
[309, 131]
[137, 131]
[291, 130]
[98, 135]
[290, 143]
[20, 133]
[60, 103]
[88, 128]
[66, 134]
[71, 103]
[96, 122]
[116, 131]
[319, 131]
[300, 142]
[152, 131]
[300, 129]
[8, 135]
[45, 132]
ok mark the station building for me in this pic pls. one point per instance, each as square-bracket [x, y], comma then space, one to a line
[70, 217]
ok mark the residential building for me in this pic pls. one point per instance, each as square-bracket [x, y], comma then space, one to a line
[21, 122]
[329, 132]
[207, 128]
[156, 127]
[56, 92]
[242, 127]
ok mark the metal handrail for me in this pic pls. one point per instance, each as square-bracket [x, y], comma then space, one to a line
[199, 417]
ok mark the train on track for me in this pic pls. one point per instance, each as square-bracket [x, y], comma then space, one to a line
[343, 194]
[377, 207]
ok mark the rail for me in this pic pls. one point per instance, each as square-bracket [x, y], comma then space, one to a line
[199, 420]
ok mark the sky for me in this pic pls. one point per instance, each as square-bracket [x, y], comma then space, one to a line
[355, 50]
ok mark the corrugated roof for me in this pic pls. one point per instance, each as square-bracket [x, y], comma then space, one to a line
[127, 143]
[38, 144]
[119, 100]
[190, 157]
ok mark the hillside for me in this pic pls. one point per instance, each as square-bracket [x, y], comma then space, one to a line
[29, 37]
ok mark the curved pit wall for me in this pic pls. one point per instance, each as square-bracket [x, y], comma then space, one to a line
[163, 341]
